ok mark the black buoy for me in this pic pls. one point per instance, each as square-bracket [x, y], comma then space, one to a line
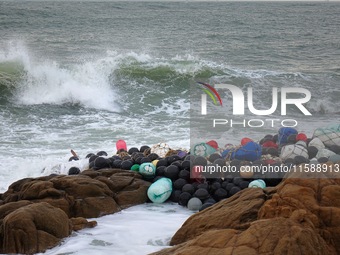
[100, 163]
[174, 197]
[234, 190]
[201, 194]
[205, 206]
[312, 151]
[179, 183]
[185, 174]
[126, 164]
[188, 188]
[220, 194]
[143, 148]
[101, 153]
[171, 172]
[184, 198]
[160, 170]
[73, 171]
[132, 150]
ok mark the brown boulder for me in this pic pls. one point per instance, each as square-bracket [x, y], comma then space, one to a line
[236, 213]
[129, 190]
[272, 236]
[34, 228]
[298, 217]
[92, 207]
[35, 212]
[318, 197]
[86, 197]
[10, 207]
[90, 194]
[81, 223]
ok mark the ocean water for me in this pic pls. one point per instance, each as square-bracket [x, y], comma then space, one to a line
[141, 229]
[80, 75]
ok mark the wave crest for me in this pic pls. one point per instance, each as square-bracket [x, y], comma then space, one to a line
[141, 83]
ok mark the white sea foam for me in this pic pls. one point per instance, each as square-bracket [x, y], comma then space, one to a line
[48, 83]
[14, 51]
[138, 230]
[179, 108]
[324, 106]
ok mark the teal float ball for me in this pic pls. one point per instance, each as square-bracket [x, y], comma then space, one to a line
[160, 190]
[147, 169]
[257, 184]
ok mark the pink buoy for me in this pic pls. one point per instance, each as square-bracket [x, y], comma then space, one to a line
[121, 145]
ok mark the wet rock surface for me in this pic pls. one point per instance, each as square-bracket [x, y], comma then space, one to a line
[299, 216]
[37, 213]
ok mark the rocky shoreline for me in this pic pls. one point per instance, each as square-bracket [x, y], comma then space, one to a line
[288, 213]
[300, 216]
[37, 213]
